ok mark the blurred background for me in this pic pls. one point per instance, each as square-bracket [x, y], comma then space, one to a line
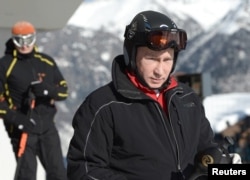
[84, 36]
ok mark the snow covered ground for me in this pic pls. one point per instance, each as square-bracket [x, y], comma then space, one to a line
[226, 109]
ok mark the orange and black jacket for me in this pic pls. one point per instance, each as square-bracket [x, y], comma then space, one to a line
[17, 71]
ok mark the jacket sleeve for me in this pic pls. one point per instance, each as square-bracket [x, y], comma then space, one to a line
[4, 108]
[91, 146]
[61, 87]
[60, 91]
[55, 82]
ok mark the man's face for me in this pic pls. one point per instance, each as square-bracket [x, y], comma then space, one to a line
[154, 66]
[25, 49]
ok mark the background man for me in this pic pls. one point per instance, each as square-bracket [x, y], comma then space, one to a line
[30, 83]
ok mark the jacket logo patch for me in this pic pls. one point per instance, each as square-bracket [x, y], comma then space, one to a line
[190, 104]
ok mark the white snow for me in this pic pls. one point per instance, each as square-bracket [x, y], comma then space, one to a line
[226, 109]
[113, 15]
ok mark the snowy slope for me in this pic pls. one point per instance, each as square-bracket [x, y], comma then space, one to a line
[226, 109]
[113, 15]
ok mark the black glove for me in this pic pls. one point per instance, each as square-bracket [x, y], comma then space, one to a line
[42, 89]
[23, 122]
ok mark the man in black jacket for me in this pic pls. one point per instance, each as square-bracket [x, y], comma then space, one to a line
[143, 125]
[30, 83]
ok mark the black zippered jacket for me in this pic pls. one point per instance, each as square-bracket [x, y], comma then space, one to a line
[17, 71]
[122, 134]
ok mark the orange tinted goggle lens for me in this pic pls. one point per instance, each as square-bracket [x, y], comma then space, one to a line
[159, 40]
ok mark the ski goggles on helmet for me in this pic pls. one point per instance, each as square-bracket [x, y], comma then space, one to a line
[163, 39]
[159, 39]
[24, 40]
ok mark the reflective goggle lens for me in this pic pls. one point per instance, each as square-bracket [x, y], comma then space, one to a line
[24, 40]
[163, 39]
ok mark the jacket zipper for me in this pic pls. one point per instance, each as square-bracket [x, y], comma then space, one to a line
[175, 139]
[175, 147]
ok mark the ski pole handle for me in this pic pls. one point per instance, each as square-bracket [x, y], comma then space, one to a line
[22, 144]
[24, 136]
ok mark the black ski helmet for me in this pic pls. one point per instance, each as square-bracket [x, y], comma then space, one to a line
[136, 34]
